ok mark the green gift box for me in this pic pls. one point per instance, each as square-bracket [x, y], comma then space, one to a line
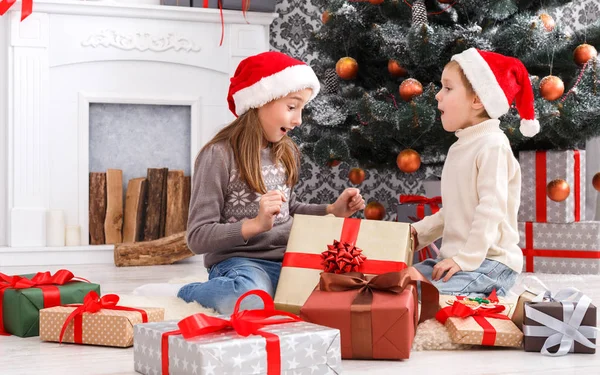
[21, 302]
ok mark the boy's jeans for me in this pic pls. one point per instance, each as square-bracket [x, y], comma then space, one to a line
[229, 279]
[479, 283]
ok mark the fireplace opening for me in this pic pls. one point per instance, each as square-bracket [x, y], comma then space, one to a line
[140, 167]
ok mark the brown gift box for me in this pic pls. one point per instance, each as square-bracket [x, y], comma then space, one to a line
[387, 246]
[105, 327]
[519, 313]
[377, 316]
[468, 331]
[555, 309]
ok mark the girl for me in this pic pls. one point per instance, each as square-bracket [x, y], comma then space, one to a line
[481, 179]
[242, 196]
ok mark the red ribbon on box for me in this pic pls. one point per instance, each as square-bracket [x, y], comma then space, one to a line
[421, 201]
[349, 234]
[26, 7]
[92, 303]
[42, 280]
[480, 315]
[245, 323]
[529, 252]
[541, 210]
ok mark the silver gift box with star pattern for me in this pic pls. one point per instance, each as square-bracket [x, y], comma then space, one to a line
[559, 165]
[561, 248]
[306, 348]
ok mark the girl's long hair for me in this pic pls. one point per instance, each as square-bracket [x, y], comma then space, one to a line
[246, 137]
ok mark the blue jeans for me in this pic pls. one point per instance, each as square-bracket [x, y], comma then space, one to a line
[229, 279]
[479, 283]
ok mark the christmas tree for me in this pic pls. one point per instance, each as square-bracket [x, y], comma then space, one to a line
[380, 62]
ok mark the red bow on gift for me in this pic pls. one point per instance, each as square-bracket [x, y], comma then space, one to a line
[42, 280]
[245, 323]
[342, 257]
[459, 310]
[26, 7]
[92, 303]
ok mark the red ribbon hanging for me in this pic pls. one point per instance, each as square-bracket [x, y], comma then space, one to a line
[349, 234]
[42, 280]
[26, 7]
[245, 7]
[245, 323]
[92, 303]
[529, 252]
[540, 187]
[480, 315]
[577, 180]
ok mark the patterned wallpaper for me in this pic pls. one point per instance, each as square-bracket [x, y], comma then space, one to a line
[321, 184]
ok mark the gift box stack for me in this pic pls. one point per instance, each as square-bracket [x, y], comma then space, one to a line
[554, 236]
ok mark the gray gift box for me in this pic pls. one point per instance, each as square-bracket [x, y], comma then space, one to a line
[178, 3]
[407, 213]
[559, 165]
[551, 242]
[306, 348]
[255, 5]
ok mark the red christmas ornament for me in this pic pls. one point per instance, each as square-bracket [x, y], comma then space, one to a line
[410, 88]
[596, 181]
[584, 53]
[374, 211]
[325, 17]
[356, 176]
[408, 161]
[551, 87]
[376, 2]
[548, 21]
[346, 68]
[395, 69]
[558, 190]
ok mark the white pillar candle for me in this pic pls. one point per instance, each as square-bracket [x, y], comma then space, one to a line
[55, 228]
[73, 235]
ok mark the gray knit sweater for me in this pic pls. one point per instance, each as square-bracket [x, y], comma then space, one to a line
[220, 202]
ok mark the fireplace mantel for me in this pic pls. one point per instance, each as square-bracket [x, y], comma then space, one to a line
[68, 54]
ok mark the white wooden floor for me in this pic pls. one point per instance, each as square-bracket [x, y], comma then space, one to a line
[30, 356]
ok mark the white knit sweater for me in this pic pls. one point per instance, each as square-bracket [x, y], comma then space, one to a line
[481, 185]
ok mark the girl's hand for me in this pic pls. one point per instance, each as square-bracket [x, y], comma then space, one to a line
[347, 203]
[268, 207]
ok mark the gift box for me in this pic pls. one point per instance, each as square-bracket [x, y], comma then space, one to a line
[331, 244]
[104, 323]
[538, 169]
[178, 3]
[252, 6]
[377, 316]
[413, 208]
[480, 325]
[519, 313]
[561, 248]
[22, 298]
[203, 344]
[558, 328]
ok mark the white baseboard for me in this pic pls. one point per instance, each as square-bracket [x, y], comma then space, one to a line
[58, 256]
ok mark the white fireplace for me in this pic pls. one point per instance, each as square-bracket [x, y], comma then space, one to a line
[67, 55]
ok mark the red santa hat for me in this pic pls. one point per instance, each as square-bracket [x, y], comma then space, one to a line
[499, 80]
[267, 76]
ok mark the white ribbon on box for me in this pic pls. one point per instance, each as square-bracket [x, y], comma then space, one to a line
[543, 293]
[564, 332]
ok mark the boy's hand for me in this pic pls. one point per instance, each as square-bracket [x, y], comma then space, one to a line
[347, 203]
[415, 237]
[445, 265]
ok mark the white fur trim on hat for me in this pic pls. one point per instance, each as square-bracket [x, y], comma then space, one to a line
[275, 86]
[529, 128]
[483, 81]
